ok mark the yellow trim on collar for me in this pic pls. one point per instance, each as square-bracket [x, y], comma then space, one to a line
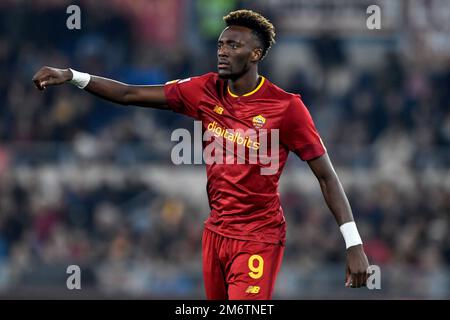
[249, 93]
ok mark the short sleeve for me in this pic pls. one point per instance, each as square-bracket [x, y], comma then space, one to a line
[184, 95]
[299, 133]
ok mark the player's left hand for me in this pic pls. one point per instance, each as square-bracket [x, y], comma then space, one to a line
[357, 265]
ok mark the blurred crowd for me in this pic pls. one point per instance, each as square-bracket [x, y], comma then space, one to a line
[69, 193]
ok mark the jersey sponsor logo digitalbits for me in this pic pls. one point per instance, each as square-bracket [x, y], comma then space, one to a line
[258, 121]
[241, 138]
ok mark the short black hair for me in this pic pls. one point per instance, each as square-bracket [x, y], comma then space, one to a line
[260, 26]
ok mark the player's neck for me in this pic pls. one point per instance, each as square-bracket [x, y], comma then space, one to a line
[244, 84]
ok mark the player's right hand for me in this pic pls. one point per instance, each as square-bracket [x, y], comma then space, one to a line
[48, 76]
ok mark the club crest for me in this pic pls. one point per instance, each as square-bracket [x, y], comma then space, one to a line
[259, 121]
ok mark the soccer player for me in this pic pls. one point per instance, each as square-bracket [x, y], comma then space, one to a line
[244, 236]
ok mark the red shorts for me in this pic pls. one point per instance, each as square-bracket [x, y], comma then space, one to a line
[239, 269]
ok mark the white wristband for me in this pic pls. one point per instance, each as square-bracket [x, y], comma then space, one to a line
[350, 233]
[80, 79]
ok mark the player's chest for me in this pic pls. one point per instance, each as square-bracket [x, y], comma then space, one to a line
[241, 114]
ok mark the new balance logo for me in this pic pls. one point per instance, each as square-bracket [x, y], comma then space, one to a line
[218, 109]
[252, 289]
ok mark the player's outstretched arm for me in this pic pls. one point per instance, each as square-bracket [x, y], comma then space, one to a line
[357, 263]
[111, 90]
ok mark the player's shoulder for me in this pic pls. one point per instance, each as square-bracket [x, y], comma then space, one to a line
[281, 94]
[210, 77]
[203, 78]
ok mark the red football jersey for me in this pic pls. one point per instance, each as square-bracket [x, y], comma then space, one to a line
[244, 202]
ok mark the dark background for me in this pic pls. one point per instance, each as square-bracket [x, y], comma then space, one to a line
[86, 182]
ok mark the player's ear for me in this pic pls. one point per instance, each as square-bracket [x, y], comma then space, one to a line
[256, 55]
